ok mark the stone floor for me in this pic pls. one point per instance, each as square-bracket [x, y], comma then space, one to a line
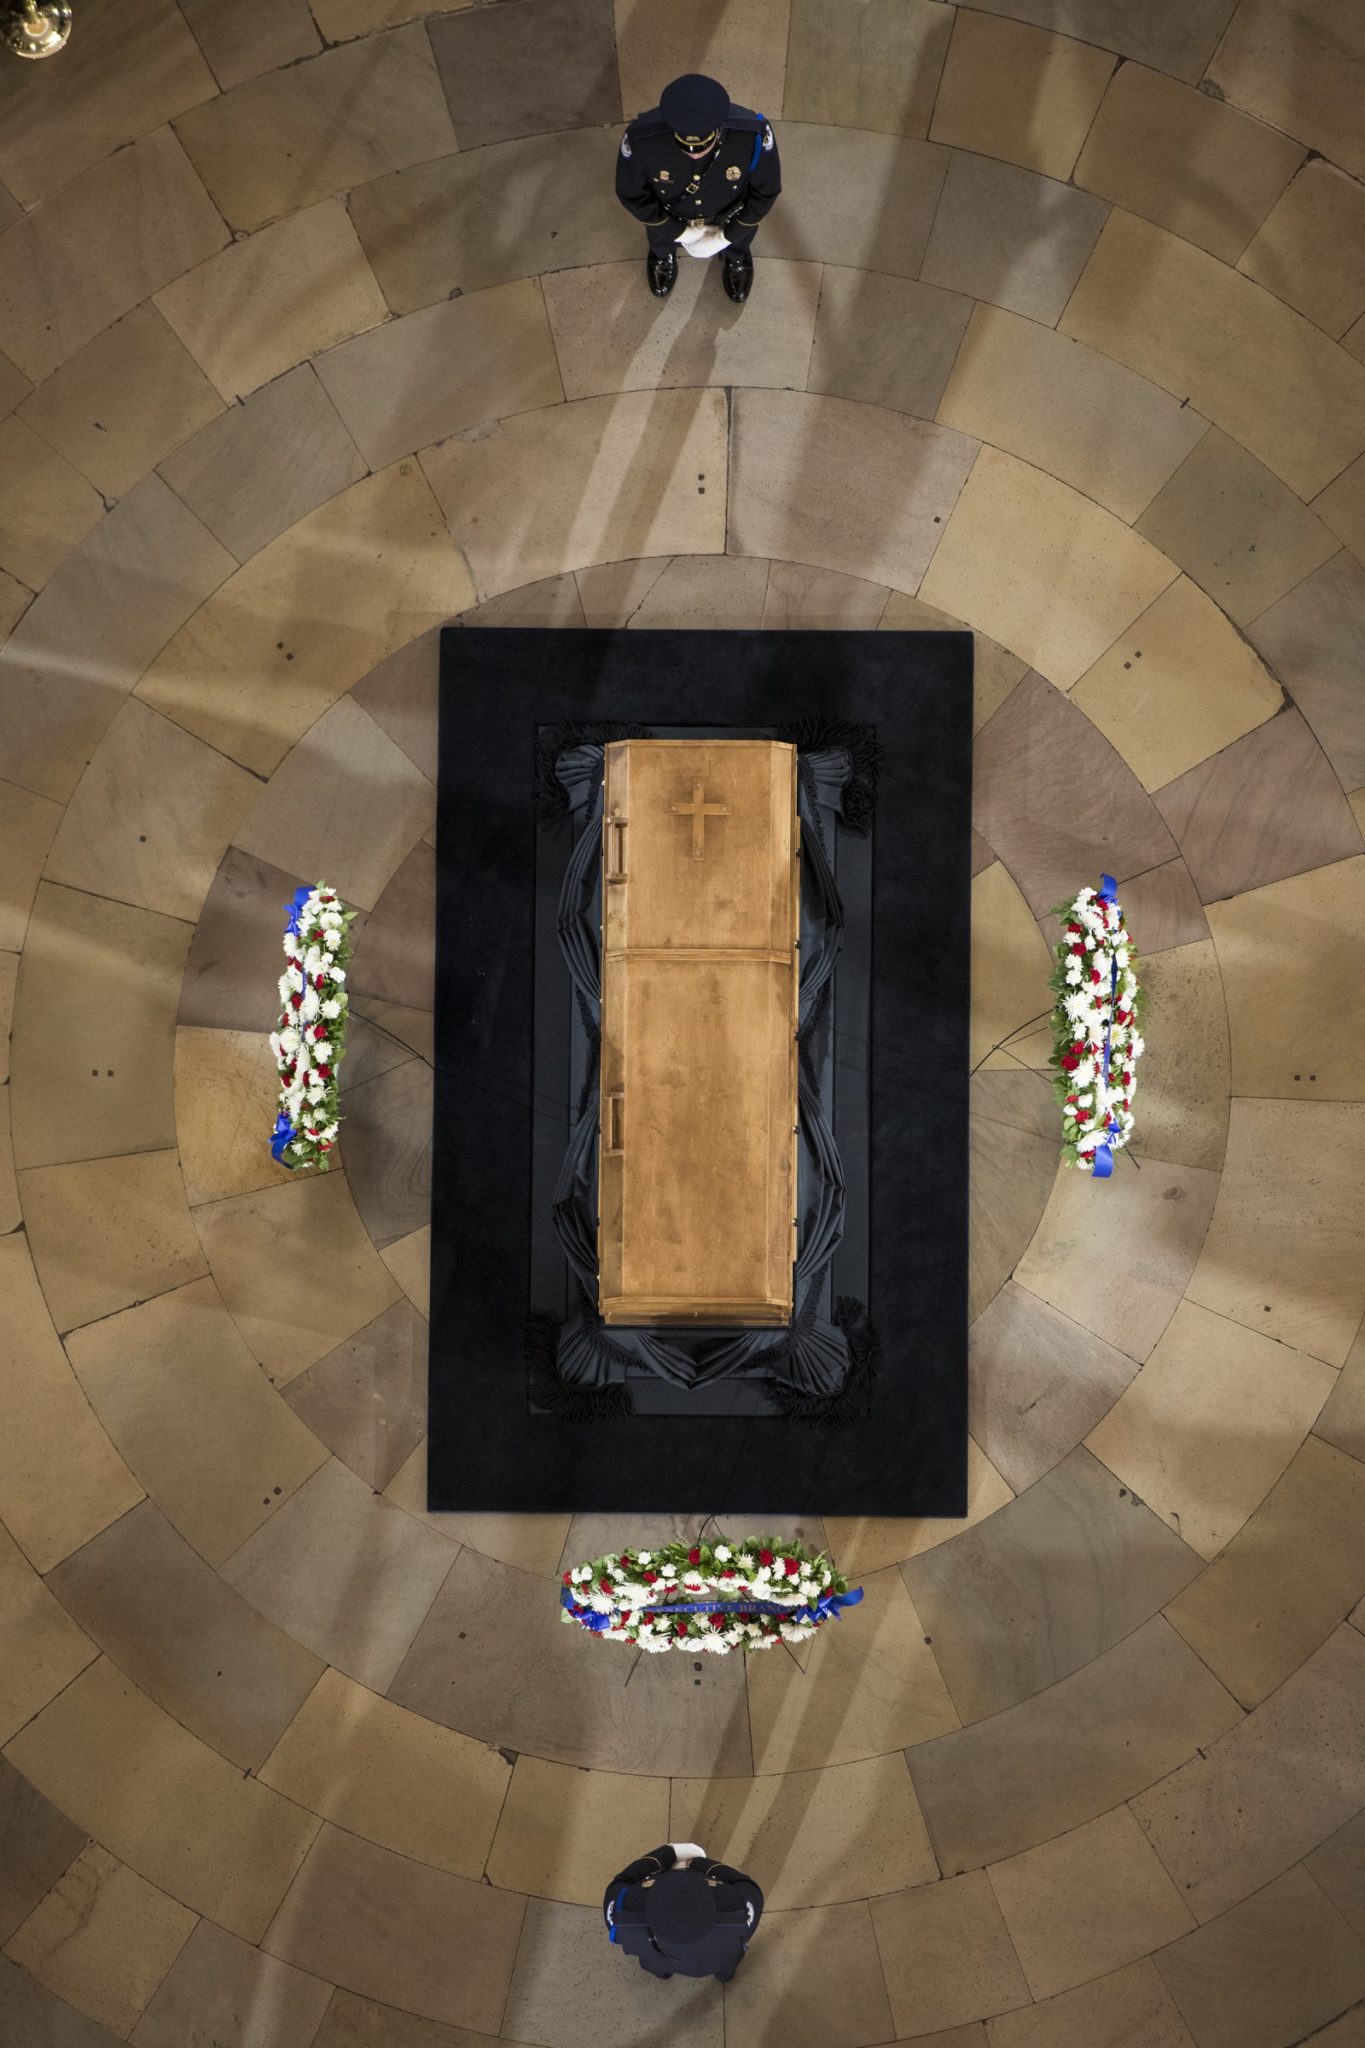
[321, 326]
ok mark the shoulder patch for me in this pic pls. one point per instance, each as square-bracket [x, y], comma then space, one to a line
[768, 142]
[625, 145]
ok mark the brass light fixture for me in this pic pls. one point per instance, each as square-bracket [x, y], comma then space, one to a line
[35, 28]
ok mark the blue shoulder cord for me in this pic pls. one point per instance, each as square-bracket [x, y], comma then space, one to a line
[758, 144]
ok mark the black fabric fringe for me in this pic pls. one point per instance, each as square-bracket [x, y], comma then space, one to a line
[806, 1034]
[859, 801]
[550, 796]
[593, 1034]
[853, 1402]
[571, 1402]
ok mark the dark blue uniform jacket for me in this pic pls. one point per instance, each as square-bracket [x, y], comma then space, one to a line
[659, 183]
[739, 1904]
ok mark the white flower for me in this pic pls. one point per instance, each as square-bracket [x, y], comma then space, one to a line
[1073, 973]
[331, 1009]
[668, 1571]
[601, 1603]
[1121, 955]
[748, 1565]
[694, 1582]
[724, 1553]
[762, 1575]
[310, 1006]
[338, 975]
[1083, 1074]
[644, 1557]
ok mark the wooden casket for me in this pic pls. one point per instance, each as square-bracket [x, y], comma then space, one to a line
[700, 958]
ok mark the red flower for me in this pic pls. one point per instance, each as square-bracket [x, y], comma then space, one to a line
[765, 1557]
[717, 1620]
[1127, 1078]
[651, 1578]
[1077, 951]
[680, 1628]
[325, 1072]
[1078, 928]
[791, 1567]
[624, 1562]
[296, 1000]
[1070, 1062]
[318, 980]
[605, 1583]
[694, 1556]
[1082, 1116]
[728, 1572]
[1095, 974]
[326, 1144]
[568, 1578]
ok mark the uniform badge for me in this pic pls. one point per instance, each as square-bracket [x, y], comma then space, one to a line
[625, 145]
[663, 177]
[768, 142]
[733, 172]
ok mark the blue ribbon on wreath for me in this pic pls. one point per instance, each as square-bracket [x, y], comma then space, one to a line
[826, 1608]
[294, 906]
[1104, 1151]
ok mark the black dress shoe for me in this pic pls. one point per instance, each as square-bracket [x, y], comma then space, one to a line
[661, 268]
[738, 274]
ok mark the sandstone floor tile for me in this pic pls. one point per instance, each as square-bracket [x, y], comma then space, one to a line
[1011, 90]
[9, 970]
[1178, 686]
[554, 601]
[1342, 1421]
[107, 1232]
[1169, 1438]
[609, 335]
[1310, 251]
[1178, 36]
[1313, 637]
[1066, 409]
[1290, 1575]
[352, 2022]
[1346, 2032]
[50, 1427]
[699, 591]
[820, 600]
[995, 671]
[280, 142]
[1163, 909]
[227, 1084]
[1342, 505]
[44, 1651]
[345, 802]
[869, 1542]
[38, 1842]
[1233, 526]
[1339, 1867]
[15, 598]
[395, 954]
[598, 481]
[1088, 1903]
[533, 1543]
[194, 1415]
[255, 36]
[1010, 963]
[1004, 1624]
[815, 1980]
[367, 1399]
[27, 825]
[1129, 2009]
[416, 380]
[1070, 1754]
[508, 209]
[863, 201]
[885, 340]
[1305, 1288]
[48, 506]
[1038, 1383]
[820, 479]
[14, 385]
[1005, 1092]
[126, 77]
[345, 1572]
[1011, 1174]
[396, 1779]
[341, 20]
[308, 616]
[101, 1085]
[102, 1939]
[1011, 237]
[413, 1029]
[1303, 75]
[562, 1831]
[1275, 1965]
[1187, 161]
[386, 1145]
[123, 401]
[1280, 1045]
[151, 817]
[1266, 807]
[219, 1843]
[812, 1838]
[1043, 569]
[857, 1695]
[491, 1660]
[222, 1993]
[744, 43]
[571, 1987]
[1056, 801]
[266, 464]
[613, 592]
[1221, 341]
[530, 68]
[100, 246]
[192, 1644]
[392, 1929]
[33, 2013]
[874, 65]
[293, 1315]
[235, 957]
[1183, 1081]
[402, 695]
[83, 643]
[270, 301]
[946, 1954]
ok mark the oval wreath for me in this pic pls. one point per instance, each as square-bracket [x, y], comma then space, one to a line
[707, 1596]
[1096, 1044]
[309, 1042]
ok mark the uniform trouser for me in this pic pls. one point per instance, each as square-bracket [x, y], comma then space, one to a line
[665, 235]
[655, 1967]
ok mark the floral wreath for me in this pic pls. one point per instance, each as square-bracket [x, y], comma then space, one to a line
[707, 1596]
[1096, 1044]
[309, 1043]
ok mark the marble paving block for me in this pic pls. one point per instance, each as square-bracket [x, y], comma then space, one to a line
[218, 1986]
[253, 36]
[32, 2012]
[108, 1232]
[1342, 1421]
[746, 43]
[569, 1986]
[1039, 1382]
[1280, 1045]
[102, 1939]
[874, 65]
[236, 955]
[561, 1832]
[280, 142]
[695, 591]
[367, 1400]
[1010, 1174]
[1178, 36]
[1011, 236]
[38, 1842]
[1310, 251]
[44, 1650]
[886, 340]
[401, 696]
[1313, 638]
[533, 1543]
[48, 505]
[816, 1978]
[1183, 1081]
[866, 1543]
[1302, 75]
[1130, 2008]
[863, 201]
[1339, 1867]
[1004, 1625]
[530, 67]
[101, 245]
[1342, 505]
[553, 601]
[1305, 1287]
[946, 1954]
[394, 962]
[386, 1147]
[1010, 964]
[1011, 90]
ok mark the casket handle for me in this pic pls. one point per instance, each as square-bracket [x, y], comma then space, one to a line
[616, 849]
[616, 1121]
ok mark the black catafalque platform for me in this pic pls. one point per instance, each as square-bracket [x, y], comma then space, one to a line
[860, 1408]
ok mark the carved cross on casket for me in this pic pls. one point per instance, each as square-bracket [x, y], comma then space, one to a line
[699, 811]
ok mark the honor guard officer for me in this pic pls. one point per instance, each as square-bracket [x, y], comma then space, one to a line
[683, 1914]
[700, 174]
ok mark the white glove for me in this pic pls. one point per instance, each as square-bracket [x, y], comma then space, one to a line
[685, 1851]
[700, 238]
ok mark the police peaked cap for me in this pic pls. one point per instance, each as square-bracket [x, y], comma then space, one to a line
[680, 1907]
[695, 107]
